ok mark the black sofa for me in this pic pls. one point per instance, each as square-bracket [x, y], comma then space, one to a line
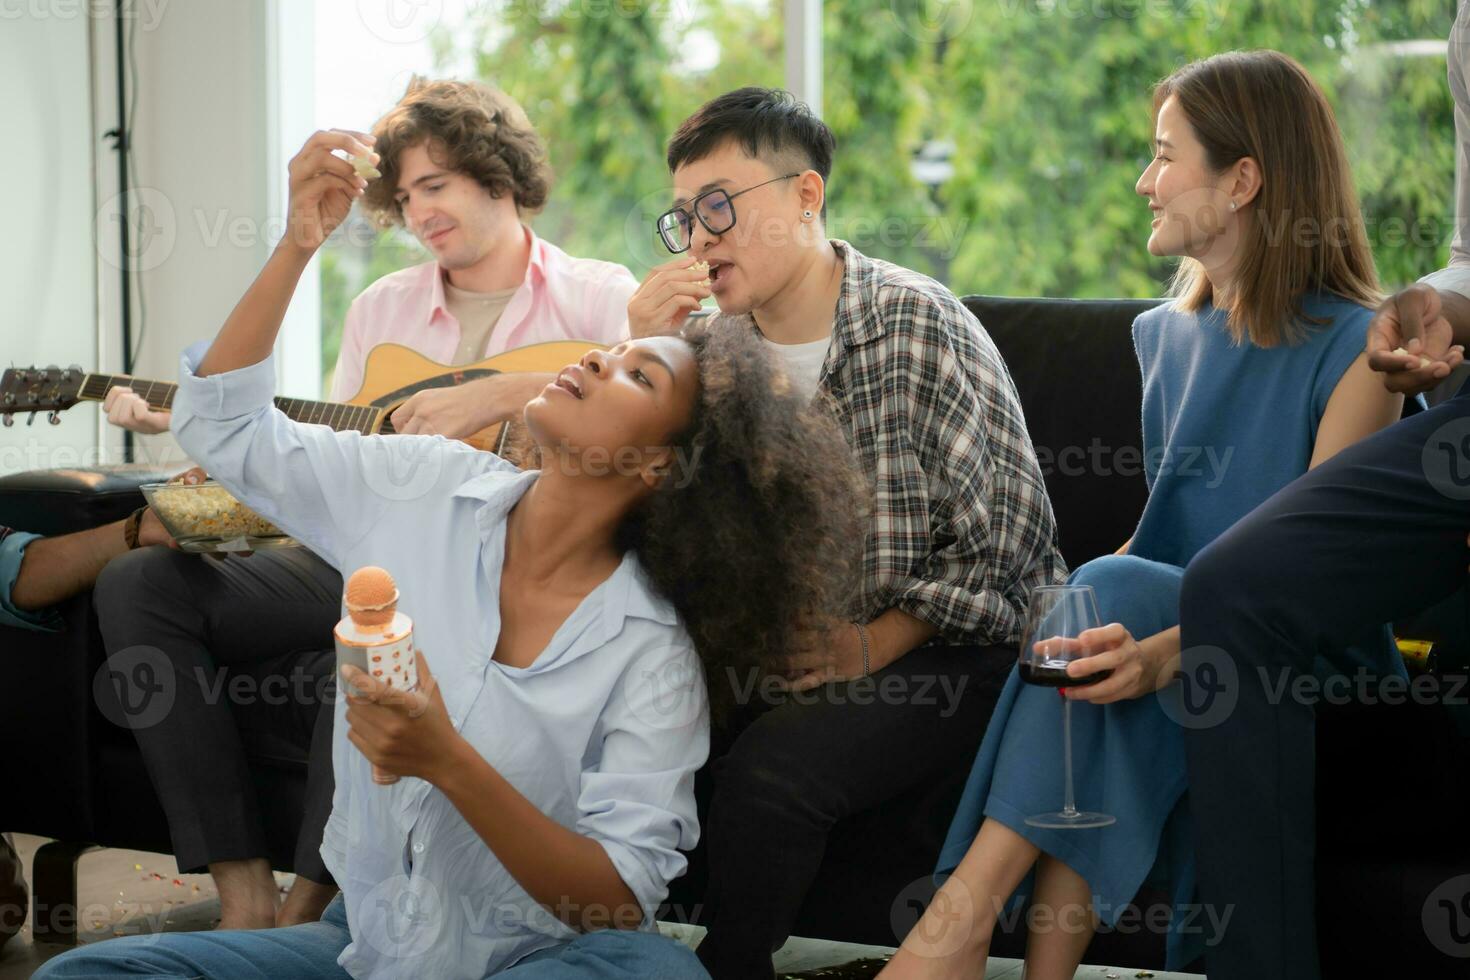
[1392, 791]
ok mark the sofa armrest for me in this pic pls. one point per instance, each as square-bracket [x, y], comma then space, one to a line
[61, 501]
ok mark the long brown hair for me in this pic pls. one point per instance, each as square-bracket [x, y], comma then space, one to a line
[1304, 230]
[470, 128]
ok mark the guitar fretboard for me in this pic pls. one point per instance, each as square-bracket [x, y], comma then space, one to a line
[160, 395]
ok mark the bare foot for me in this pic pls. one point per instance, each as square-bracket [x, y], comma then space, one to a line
[238, 919]
[305, 902]
[947, 943]
[247, 894]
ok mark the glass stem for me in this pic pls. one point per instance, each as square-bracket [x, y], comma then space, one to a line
[1071, 805]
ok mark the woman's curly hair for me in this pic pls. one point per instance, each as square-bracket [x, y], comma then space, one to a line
[470, 128]
[759, 528]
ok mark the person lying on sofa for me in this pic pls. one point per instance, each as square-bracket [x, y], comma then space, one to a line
[462, 170]
[37, 574]
[961, 532]
[1260, 354]
[571, 615]
[1376, 534]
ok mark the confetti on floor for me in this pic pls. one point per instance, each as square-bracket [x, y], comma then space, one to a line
[856, 970]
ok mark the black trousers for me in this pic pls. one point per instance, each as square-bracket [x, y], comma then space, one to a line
[794, 766]
[248, 642]
[1371, 536]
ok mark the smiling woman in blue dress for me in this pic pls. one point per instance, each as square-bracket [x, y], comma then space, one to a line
[1258, 361]
[568, 618]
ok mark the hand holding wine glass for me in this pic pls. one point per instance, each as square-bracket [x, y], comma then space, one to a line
[1059, 617]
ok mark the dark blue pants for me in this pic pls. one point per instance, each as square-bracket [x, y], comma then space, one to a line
[1373, 535]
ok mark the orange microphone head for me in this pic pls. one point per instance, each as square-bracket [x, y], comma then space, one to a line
[371, 597]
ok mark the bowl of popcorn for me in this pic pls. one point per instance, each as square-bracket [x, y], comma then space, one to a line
[207, 517]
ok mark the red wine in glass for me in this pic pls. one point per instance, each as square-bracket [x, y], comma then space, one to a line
[1057, 618]
[1053, 673]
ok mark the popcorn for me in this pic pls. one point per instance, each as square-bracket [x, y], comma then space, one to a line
[702, 267]
[1424, 362]
[364, 167]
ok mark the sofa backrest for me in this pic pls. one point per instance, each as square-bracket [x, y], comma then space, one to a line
[1074, 366]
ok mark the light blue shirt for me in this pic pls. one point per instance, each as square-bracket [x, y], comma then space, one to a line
[12, 553]
[603, 732]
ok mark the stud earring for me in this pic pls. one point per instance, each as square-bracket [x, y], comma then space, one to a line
[1232, 205]
[807, 215]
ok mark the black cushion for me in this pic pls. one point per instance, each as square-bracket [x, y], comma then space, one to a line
[61, 501]
[1075, 369]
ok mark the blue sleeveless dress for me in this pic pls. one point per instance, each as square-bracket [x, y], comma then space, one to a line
[1225, 426]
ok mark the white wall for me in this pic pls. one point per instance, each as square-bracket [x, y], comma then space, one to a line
[211, 121]
[47, 260]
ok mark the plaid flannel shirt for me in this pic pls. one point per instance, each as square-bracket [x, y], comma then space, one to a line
[962, 529]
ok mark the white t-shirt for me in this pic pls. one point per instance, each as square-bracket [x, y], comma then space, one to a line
[803, 362]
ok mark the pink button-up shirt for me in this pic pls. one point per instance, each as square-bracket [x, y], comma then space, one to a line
[562, 298]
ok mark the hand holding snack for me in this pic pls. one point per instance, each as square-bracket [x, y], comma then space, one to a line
[323, 185]
[670, 293]
[151, 531]
[1411, 342]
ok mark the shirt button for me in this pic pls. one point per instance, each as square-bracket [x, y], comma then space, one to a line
[418, 847]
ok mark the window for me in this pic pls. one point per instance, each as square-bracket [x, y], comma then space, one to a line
[1026, 123]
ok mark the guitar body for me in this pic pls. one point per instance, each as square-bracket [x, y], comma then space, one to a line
[393, 373]
[391, 369]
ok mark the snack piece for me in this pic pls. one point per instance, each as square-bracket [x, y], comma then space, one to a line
[702, 267]
[1424, 362]
[364, 167]
[371, 598]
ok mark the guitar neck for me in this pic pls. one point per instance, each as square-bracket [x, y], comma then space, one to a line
[160, 396]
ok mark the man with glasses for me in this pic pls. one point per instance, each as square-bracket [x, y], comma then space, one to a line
[895, 701]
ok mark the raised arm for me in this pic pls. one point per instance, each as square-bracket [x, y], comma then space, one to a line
[325, 488]
[322, 189]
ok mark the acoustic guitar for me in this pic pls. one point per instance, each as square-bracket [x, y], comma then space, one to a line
[391, 375]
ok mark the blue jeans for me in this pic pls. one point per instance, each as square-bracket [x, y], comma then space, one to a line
[310, 951]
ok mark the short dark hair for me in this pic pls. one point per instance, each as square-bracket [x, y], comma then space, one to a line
[766, 122]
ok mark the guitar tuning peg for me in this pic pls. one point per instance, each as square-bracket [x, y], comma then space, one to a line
[8, 420]
[54, 418]
[31, 419]
[52, 369]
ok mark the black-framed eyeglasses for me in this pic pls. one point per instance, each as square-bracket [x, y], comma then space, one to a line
[715, 210]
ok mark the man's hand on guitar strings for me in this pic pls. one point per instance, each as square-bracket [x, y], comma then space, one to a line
[450, 412]
[126, 409]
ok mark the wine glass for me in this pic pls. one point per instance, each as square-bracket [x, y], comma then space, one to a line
[1059, 614]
